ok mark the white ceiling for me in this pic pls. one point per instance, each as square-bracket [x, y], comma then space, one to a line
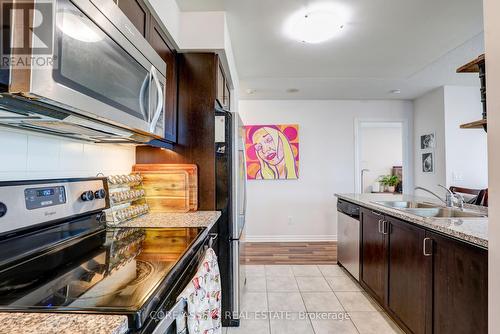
[412, 45]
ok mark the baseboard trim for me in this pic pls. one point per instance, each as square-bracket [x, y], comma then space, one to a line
[290, 238]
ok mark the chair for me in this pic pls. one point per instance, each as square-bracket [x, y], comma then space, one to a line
[480, 196]
[485, 199]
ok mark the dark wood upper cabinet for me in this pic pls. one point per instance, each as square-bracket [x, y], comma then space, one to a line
[374, 254]
[460, 287]
[137, 13]
[409, 276]
[159, 42]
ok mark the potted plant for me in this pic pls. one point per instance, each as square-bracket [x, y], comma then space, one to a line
[393, 182]
[389, 182]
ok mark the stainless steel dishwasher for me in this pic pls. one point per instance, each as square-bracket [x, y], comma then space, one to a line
[348, 237]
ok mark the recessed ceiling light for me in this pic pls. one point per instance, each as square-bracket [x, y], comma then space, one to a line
[250, 91]
[292, 90]
[396, 91]
[316, 23]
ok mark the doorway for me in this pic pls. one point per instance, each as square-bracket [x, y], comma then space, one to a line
[382, 149]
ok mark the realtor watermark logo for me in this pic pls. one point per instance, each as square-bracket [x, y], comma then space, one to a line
[264, 315]
[27, 36]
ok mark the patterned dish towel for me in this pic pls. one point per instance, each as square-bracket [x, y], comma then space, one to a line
[203, 296]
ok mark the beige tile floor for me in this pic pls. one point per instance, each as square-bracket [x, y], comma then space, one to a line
[308, 299]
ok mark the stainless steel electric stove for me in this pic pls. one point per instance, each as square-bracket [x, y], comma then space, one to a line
[58, 256]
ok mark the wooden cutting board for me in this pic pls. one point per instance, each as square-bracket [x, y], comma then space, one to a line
[191, 169]
[167, 191]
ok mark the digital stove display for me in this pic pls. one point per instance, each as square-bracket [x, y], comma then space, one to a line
[36, 198]
[45, 192]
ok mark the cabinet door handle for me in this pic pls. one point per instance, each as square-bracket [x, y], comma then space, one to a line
[380, 221]
[385, 229]
[425, 247]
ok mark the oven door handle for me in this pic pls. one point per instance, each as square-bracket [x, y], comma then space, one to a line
[176, 311]
[159, 105]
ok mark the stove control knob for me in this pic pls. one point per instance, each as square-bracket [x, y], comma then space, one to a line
[100, 194]
[3, 209]
[87, 196]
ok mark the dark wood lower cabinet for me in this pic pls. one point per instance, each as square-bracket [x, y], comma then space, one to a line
[409, 276]
[428, 283]
[460, 289]
[374, 254]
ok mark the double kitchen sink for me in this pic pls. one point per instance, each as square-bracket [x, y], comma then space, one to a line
[430, 210]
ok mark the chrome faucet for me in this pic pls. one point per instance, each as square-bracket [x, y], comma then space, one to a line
[450, 199]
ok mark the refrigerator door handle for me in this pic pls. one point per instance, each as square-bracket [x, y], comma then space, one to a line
[244, 158]
[235, 267]
[244, 184]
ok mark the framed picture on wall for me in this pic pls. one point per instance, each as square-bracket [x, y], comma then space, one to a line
[272, 152]
[428, 162]
[428, 141]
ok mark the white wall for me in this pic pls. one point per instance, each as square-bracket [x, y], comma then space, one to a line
[492, 31]
[429, 118]
[326, 134]
[32, 156]
[381, 149]
[466, 150]
[460, 156]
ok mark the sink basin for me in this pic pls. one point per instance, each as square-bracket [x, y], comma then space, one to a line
[407, 205]
[425, 209]
[444, 213]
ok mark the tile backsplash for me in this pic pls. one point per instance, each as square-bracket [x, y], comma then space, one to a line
[25, 155]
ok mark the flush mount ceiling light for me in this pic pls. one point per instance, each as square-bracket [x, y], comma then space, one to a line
[316, 23]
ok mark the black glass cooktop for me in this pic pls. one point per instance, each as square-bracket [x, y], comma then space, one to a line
[118, 270]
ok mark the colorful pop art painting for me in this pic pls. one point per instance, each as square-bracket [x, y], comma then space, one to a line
[272, 152]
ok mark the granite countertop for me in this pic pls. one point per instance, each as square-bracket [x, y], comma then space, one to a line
[50, 323]
[471, 230]
[167, 219]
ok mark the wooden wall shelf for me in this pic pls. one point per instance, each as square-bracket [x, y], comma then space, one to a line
[474, 125]
[472, 66]
[478, 65]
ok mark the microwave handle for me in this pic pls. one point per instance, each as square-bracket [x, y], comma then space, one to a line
[159, 106]
[142, 95]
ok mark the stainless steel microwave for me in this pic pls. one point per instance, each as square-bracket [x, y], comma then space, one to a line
[92, 75]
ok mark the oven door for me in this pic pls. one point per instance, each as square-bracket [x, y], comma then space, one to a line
[103, 68]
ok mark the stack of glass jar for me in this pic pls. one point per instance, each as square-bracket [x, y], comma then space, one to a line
[127, 198]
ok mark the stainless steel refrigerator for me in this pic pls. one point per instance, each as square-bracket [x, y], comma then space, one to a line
[231, 201]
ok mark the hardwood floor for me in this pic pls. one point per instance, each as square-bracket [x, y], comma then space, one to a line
[291, 253]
